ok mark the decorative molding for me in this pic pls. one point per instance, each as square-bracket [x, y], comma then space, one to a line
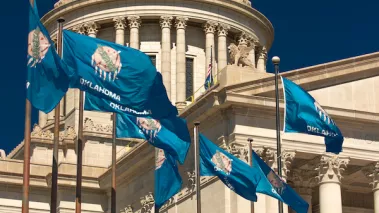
[166, 21]
[210, 27]
[128, 209]
[181, 22]
[235, 151]
[134, 21]
[191, 184]
[147, 203]
[119, 23]
[223, 29]
[331, 168]
[39, 133]
[90, 126]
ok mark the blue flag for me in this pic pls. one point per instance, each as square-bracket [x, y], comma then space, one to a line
[304, 115]
[209, 79]
[123, 76]
[167, 178]
[170, 134]
[272, 185]
[234, 173]
[47, 79]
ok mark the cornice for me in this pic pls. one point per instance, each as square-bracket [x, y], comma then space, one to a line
[316, 77]
[251, 13]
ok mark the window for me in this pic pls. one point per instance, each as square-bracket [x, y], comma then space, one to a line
[153, 59]
[189, 78]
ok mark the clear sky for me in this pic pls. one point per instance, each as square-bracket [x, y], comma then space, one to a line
[306, 33]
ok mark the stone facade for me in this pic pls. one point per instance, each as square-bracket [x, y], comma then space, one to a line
[241, 105]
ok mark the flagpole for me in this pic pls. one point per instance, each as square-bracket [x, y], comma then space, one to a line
[26, 176]
[250, 140]
[26, 172]
[197, 165]
[156, 209]
[276, 61]
[54, 176]
[78, 198]
[113, 193]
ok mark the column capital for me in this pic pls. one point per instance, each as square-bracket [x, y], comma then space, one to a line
[372, 173]
[92, 27]
[210, 27]
[166, 21]
[223, 29]
[287, 157]
[262, 52]
[244, 39]
[119, 23]
[331, 168]
[181, 22]
[80, 28]
[134, 21]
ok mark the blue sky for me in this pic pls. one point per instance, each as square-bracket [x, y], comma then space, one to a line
[306, 33]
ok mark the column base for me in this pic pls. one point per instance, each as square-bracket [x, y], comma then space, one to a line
[180, 105]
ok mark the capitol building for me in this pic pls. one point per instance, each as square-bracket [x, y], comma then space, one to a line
[182, 37]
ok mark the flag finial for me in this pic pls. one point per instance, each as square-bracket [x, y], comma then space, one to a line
[275, 60]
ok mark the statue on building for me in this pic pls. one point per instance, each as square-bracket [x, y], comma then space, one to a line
[239, 55]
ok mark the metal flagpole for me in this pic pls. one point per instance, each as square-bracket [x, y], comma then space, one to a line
[54, 176]
[211, 77]
[26, 180]
[156, 209]
[197, 166]
[250, 140]
[113, 193]
[26, 172]
[78, 199]
[276, 61]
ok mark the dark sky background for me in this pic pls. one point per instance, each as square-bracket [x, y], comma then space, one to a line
[306, 33]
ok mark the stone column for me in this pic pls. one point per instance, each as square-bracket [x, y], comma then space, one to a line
[92, 29]
[134, 24]
[262, 59]
[330, 169]
[222, 49]
[209, 29]
[119, 25]
[252, 56]
[180, 24]
[372, 173]
[166, 22]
